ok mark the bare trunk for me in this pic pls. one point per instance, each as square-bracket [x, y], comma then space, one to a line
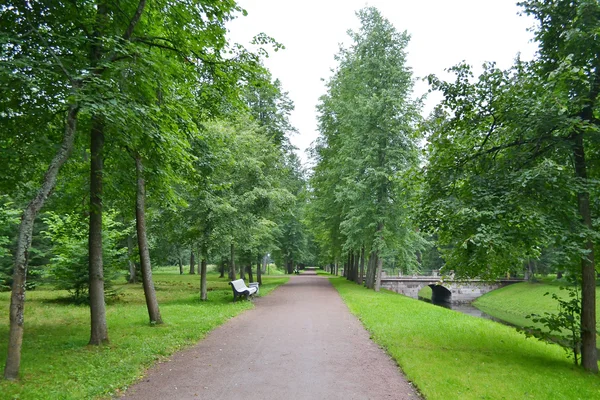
[140, 222]
[99, 329]
[222, 269]
[180, 265]
[378, 274]
[203, 289]
[192, 263]
[232, 273]
[589, 356]
[368, 272]
[361, 272]
[350, 264]
[258, 272]
[250, 277]
[243, 272]
[132, 269]
[17, 299]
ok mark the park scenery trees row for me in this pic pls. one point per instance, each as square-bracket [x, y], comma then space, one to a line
[135, 134]
[170, 142]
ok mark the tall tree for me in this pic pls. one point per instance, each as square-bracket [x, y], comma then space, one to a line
[508, 173]
[368, 144]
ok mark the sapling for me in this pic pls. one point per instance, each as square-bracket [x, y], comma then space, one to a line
[564, 326]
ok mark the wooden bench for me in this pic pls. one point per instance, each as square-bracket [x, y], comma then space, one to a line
[240, 289]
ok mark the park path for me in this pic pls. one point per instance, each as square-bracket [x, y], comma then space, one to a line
[299, 342]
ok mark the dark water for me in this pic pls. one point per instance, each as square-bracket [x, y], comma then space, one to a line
[468, 309]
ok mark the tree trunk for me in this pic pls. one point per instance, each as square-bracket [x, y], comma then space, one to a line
[140, 222]
[222, 269]
[99, 329]
[250, 278]
[368, 272]
[258, 272]
[378, 274]
[192, 263]
[350, 265]
[180, 265]
[361, 272]
[17, 299]
[132, 270]
[355, 267]
[589, 356]
[243, 272]
[232, 273]
[203, 289]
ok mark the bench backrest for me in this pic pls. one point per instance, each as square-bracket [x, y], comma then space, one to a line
[239, 285]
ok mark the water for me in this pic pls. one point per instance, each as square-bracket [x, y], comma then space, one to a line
[468, 309]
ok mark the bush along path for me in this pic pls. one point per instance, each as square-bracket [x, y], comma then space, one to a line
[448, 355]
[300, 342]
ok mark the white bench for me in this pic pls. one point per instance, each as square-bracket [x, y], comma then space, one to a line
[240, 289]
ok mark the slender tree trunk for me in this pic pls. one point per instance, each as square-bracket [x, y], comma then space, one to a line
[378, 274]
[350, 264]
[589, 356]
[243, 272]
[355, 267]
[99, 329]
[250, 278]
[361, 272]
[232, 273]
[140, 222]
[203, 289]
[17, 299]
[258, 272]
[222, 269]
[132, 269]
[192, 263]
[180, 265]
[368, 272]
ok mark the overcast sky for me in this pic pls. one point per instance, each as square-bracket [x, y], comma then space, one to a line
[443, 33]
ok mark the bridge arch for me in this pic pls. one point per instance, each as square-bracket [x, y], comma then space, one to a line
[440, 294]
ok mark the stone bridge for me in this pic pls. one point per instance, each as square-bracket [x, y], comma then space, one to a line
[443, 291]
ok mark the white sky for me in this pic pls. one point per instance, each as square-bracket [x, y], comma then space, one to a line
[443, 33]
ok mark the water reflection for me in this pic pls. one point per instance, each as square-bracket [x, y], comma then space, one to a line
[468, 309]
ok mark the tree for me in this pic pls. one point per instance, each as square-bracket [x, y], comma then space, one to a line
[367, 147]
[508, 173]
[69, 62]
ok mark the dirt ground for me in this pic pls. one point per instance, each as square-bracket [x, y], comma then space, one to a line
[300, 342]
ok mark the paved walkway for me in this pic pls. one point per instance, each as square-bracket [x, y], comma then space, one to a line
[299, 342]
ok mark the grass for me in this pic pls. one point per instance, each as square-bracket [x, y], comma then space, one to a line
[513, 302]
[448, 355]
[58, 364]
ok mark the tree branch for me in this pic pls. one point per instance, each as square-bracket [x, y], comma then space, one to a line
[134, 20]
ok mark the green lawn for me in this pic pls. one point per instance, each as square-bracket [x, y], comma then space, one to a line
[513, 302]
[58, 364]
[448, 355]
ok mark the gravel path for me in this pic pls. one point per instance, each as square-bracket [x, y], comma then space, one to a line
[299, 342]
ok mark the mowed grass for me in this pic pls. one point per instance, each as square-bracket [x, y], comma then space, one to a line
[58, 364]
[448, 355]
[514, 302]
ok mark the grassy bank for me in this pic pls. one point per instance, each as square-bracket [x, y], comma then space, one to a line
[58, 364]
[448, 355]
[513, 302]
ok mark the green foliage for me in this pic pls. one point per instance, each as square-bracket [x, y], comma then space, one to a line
[367, 148]
[449, 355]
[68, 268]
[563, 325]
